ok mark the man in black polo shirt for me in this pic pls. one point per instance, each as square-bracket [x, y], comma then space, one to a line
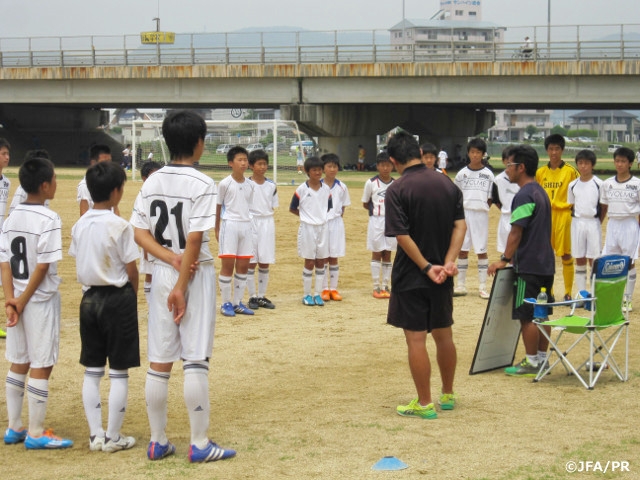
[529, 249]
[424, 212]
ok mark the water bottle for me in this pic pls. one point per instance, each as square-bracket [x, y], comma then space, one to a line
[540, 308]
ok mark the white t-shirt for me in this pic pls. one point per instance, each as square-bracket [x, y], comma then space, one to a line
[374, 193]
[506, 191]
[265, 198]
[312, 205]
[623, 199]
[83, 193]
[585, 197]
[236, 199]
[476, 187]
[339, 198]
[174, 201]
[442, 159]
[37, 231]
[103, 245]
[5, 185]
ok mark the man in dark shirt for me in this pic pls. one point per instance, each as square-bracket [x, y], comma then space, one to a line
[529, 248]
[424, 212]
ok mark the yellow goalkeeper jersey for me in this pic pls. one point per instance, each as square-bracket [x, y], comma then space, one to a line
[556, 183]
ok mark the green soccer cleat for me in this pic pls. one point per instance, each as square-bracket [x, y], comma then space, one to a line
[414, 409]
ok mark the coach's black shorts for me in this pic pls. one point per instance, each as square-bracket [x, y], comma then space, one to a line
[422, 309]
[109, 328]
[528, 286]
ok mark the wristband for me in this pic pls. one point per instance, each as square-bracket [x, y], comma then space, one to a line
[504, 259]
[426, 269]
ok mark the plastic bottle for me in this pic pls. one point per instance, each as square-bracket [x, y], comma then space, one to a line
[540, 309]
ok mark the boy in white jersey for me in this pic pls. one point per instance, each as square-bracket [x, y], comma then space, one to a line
[378, 244]
[172, 216]
[337, 237]
[428, 155]
[106, 255]
[233, 232]
[312, 202]
[97, 153]
[620, 199]
[265, 200]
[5, 185]
[502, 196]
[476, 183]
[146, 264]
[586, 222]
[20, 196]
[30, 247]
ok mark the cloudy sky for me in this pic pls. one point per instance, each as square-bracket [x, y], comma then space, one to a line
[24, 18]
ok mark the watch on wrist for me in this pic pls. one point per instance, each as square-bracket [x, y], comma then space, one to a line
[504, 259]
[426, 269]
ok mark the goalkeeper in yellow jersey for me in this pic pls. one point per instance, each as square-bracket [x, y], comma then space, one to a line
[555, 178]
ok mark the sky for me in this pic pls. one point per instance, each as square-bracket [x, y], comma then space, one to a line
[30, 18]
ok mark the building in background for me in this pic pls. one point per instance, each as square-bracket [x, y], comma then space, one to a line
[512, 125]
[611, 125]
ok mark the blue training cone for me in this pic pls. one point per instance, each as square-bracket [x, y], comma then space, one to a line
[389, 463]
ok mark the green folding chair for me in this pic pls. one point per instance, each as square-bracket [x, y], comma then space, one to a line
[605, 317]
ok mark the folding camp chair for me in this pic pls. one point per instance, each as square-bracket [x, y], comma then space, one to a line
[605, 312]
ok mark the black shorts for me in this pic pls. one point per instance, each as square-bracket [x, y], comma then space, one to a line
[528, 286]
[109, 328]
[422, 309]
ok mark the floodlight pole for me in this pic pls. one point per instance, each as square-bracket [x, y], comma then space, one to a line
[549, 27]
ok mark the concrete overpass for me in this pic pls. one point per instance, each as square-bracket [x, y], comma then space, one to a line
[344, 103]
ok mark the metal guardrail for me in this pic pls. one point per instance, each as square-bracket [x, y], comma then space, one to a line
[338, 47]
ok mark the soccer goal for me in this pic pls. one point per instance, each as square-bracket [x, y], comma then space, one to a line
[281, 139]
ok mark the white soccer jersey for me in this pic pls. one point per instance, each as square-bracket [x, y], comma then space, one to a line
[83, 193]
[476, 187]
[102, 244]
[5, 185]
[339, 198]
[312, 205]
[623, 198]
[174, 201]
[374, 192]
[442, 159]
[32, 234]
[265, 198]
[588, 196]
[20, 196]
[506, 191]
[236, 199]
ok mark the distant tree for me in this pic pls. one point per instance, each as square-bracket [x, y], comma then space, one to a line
[530, 130]
[559, 129]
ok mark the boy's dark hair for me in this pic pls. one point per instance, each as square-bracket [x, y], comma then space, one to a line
[34, 172]
[256, 155]
[40, 152]
[182, 130]
[5, 143]
[231, 154]
[330, 158]
[402, 147]
[103, 178]
[478, 144]
[506, 152]
[554, 139]
[624, 152]
[148, 167]
[96, 150]
[312, 162]
[526, 155]
[429, 149]
[383, 157]
[586, 154]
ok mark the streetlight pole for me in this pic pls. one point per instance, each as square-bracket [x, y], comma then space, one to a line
[549, 28]
[404, 33]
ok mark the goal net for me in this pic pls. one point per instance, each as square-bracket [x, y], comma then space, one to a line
[280, 139]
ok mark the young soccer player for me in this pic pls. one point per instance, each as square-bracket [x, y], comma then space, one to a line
[586, 224]
[233, 232]
[312, 202]
[172, 216]
[502, 196]
[380, 246]
[476, 183]
[97, 153]
[30, 247]
[5, 185]
[620, 199]
[20, 196]
[146, 266]
[106, 254]
[337, 240]
[265, 201]
[429, 153]
[555, 178]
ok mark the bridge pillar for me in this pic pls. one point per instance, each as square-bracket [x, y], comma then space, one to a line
[341, 128]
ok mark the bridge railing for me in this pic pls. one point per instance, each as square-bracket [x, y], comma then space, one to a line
[339, 47]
